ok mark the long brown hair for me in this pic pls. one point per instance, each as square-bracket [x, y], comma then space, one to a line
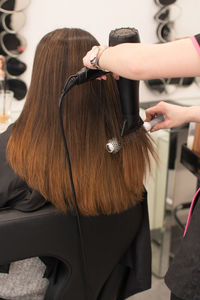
[104, 183]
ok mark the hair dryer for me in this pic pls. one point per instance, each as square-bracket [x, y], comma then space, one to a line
[128, 89]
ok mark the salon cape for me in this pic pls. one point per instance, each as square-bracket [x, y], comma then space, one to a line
[183, 276]
[132, 273]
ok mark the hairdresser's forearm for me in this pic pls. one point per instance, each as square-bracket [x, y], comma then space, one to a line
[193, 114]
[146, 61]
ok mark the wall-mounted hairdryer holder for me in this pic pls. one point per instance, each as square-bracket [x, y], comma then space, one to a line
[12, 45]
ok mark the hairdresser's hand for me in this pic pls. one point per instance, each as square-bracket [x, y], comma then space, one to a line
[174, 115]
[87, 57]
[87, 63]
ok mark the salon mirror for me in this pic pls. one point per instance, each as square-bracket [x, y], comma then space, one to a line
[12, 23]
[9, 6]
[12, 44]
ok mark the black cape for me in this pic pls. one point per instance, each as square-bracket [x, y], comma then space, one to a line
[133, 271]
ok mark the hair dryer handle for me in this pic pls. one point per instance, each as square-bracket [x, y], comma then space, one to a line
[86, 74]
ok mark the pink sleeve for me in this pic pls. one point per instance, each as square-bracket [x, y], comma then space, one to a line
[196, 44]
[190, 212]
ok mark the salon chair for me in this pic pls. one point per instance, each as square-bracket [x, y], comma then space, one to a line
[47, 232]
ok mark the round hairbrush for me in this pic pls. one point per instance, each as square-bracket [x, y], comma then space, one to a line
[113, 146]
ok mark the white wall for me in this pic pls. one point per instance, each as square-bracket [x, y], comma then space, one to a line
[99, 18]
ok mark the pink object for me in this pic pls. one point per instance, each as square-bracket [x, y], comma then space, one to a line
[190, 212]
[196, 44]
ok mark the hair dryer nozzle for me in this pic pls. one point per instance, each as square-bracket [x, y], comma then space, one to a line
[123, 35]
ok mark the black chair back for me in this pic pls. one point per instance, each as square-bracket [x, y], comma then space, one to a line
[47, 232]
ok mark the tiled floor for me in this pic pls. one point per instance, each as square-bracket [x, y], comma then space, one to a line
[159, 291]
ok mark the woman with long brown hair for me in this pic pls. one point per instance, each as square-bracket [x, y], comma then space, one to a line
[36, 170]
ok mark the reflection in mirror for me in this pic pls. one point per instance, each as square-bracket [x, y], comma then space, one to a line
[12, 23]
[9, 6]
[15, 67]
[12, 44]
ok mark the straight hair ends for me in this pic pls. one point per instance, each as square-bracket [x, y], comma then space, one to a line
[104, 183]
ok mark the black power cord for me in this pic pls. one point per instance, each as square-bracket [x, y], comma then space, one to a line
[69, 84]
[80, 77]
